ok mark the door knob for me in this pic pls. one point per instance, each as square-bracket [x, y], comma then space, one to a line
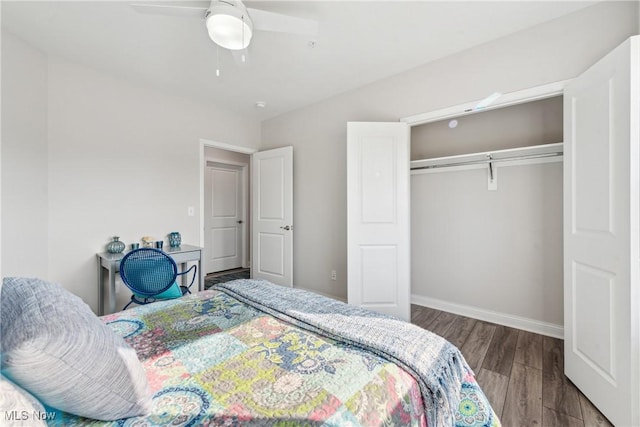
[286, 227]
[240, 222]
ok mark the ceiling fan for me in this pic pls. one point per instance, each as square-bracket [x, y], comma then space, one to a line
[230, 23]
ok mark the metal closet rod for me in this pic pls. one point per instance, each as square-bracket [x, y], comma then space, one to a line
[489, 160]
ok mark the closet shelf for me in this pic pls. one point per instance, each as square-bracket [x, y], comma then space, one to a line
[531, 153]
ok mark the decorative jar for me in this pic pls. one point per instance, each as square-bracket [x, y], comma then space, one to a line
[175, 239]
[115, 246]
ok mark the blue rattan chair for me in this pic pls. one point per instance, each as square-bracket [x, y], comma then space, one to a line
[151, 275]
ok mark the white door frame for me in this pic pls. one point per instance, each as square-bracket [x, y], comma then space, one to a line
[202, 160]
[513, 98]
[244, 172]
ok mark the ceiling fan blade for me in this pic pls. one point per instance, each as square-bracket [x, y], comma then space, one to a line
[170, 10]
[241, 56]
[270, 21]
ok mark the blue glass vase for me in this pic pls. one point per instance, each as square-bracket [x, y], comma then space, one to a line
[115, 246]
[175, 239]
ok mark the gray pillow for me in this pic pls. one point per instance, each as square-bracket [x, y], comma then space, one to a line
[18, 408]
[57, 349]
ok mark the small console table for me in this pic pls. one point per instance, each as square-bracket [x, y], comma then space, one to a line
[111, 262]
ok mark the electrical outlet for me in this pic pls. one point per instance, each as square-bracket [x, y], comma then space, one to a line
[191, 211]
[333, 275]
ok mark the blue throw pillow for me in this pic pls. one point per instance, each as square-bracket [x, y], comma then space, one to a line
[172, 293]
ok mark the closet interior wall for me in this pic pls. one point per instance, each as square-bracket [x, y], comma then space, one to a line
[492, 254]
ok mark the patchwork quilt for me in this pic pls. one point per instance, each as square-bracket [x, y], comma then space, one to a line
[212, 360]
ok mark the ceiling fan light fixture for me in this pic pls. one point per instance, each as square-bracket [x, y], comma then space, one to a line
[229, 26]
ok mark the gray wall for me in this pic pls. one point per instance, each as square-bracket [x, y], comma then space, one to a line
[231, 156]
[499, 251]
[557, 50]
[119, 160]
[531, 123]
[25, 200]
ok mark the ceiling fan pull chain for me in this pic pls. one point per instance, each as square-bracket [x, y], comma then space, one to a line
[242, 33]
[242, 56]
[217, 61]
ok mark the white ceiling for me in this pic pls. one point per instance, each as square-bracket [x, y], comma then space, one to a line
[358, 43]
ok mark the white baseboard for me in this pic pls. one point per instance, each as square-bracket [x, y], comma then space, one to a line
[531, 325]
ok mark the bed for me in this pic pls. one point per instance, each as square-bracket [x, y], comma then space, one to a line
[222, 357]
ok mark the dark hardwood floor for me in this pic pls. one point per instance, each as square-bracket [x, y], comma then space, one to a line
[521, 373]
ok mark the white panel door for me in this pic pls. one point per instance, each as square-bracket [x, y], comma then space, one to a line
[378, 217]
[272, 217]
[601, 256]
[224, 217]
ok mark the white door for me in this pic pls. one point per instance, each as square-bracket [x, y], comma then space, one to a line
[272, 217]
[601, 257]
[378, 217]
[224, 217]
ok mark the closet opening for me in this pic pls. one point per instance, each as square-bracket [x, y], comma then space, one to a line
[487, 215]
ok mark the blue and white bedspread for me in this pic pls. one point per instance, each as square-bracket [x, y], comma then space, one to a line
[249, 353]
[437, 365]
